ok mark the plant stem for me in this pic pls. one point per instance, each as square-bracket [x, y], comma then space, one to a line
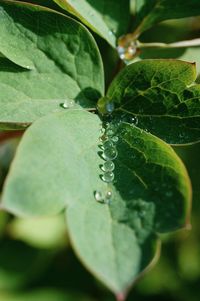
[181, 44]
[9, 135]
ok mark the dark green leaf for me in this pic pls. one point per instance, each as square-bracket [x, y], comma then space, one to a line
[59, 57]
[159, 96]
[108, 18]
[150, 12]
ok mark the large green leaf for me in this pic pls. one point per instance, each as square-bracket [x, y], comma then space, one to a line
[108, 18]
[150, 12]
[58, 164]
[160, 96]
[55, 58]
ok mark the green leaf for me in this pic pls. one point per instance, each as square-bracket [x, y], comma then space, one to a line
[49, 161]
[108, 18]
[109, 248]
[150, 12]
[59, 57]
[151, 193]
[160, 96]
[58, 164]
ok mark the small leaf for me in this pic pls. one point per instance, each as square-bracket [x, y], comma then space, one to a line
[58, 164]
[162, 96]
[60, 61]
[150, 12]
[108, 18]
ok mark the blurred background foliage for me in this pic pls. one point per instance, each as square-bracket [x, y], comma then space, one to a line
[36, 259]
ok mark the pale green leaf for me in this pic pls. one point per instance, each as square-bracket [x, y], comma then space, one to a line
[59, 57]
[58, 165]
[108, 18]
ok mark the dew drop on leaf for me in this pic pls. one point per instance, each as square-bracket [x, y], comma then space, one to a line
[115, 139]
[110, 107]
[107, 144]
[98, 196]
[111, 33]
[64, 105]
[109, 194]
[108, 176]
[109, 132]
[110, 153]
[134, 120]
[108, 166]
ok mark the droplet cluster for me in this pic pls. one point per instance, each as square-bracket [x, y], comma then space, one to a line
[127, 48]
[108, 141]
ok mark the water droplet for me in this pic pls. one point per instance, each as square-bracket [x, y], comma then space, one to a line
[110, 107]
[109, 132]
[127, 47]
[109, 194]
[110, 153]
[64, 105]
[102, 131]
[108, 197]
[111, 33]
[70, 103]
[98, 196]
[107, 144]
[108, 176]
[108, 166]
[115, 139]
[134, 120]
[121, 51]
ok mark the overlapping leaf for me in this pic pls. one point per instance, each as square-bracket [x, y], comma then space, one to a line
[108, 18]
[53, 58]
[161, 97]
[58, 164]
[150, 12]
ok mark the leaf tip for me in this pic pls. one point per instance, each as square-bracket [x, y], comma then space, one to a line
[120, 297]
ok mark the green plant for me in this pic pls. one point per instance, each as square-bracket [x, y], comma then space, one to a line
[104, 158]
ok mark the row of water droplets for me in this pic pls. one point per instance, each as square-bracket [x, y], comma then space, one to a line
[108, 141]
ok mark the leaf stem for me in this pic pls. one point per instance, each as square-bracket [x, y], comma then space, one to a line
[9, 135]
[181, 44]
